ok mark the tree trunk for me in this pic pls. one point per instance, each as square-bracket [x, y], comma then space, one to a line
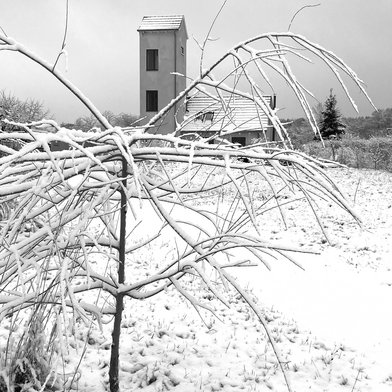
[115, 349]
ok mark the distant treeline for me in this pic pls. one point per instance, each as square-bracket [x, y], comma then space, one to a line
[379, 124]
[367, 142]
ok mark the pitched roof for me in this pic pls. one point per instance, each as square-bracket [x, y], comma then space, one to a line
[162, 22]
[233, 113]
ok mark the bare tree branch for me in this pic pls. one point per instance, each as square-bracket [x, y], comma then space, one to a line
[302, 8]
[63, 44]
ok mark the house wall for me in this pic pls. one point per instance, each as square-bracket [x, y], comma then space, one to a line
[170, 59]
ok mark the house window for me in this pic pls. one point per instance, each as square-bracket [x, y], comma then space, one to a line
[151, 101]
[206, 116]
[199, 117]
[152, 59]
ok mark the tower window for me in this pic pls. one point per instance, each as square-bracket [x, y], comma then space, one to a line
[152, 60]
[182, 51]
[151, 101]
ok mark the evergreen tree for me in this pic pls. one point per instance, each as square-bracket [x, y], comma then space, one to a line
[330, 124]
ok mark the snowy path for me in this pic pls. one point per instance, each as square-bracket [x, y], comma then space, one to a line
[332, 300]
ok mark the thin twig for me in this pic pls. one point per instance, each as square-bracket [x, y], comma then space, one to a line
[3, 31]
[356, 191]
[302, 8]
[65, 35]
[207, 38]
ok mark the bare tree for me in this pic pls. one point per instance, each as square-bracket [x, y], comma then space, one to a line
[15, 109]
[18, 110]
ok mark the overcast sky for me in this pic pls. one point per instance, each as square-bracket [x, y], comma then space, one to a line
[102, 44]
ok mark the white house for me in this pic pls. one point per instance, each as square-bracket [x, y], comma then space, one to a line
[163, 53]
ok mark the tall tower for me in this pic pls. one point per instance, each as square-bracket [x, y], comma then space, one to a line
[162, 52]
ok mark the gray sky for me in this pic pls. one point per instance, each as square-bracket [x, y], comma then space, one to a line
[102, 45]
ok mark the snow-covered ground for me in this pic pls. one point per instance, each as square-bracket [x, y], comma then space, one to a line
[332, 321]
[344, 294]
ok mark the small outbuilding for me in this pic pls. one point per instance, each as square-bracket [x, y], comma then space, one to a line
[236, 118]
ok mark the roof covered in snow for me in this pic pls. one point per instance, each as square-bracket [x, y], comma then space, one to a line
[232, 113]
[162, 22]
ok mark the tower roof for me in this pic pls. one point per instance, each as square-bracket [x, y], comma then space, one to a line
[162, 22]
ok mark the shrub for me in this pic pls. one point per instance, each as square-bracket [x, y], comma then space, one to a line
[379, 151]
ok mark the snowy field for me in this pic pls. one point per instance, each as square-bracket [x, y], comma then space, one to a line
[332, 321]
